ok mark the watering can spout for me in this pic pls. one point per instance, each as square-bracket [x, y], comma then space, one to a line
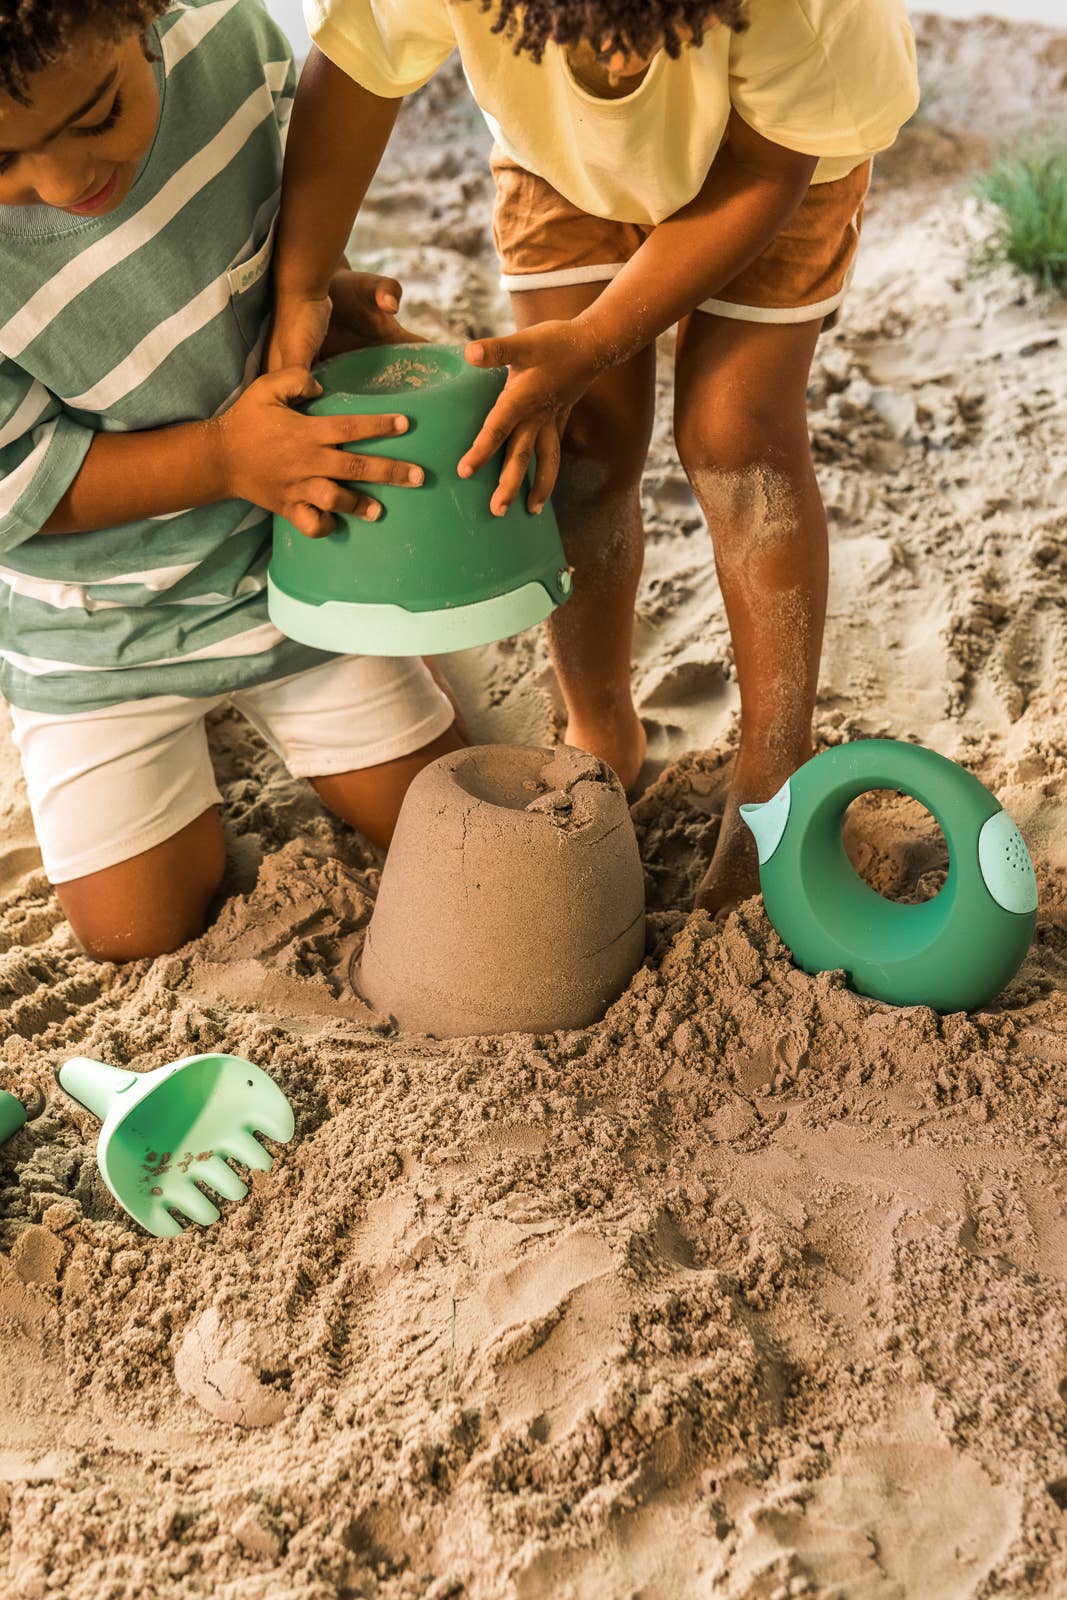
[767, 819]
[95, 1085]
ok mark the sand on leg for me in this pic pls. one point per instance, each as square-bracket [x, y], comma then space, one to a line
[155, 901]
[742, 434]
[598, 506]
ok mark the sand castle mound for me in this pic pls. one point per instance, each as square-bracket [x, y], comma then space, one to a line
[512, 900]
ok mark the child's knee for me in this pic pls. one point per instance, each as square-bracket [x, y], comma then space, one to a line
[122, 938]
[736, 439]
[150, 904]
[605, 443]
[752, 496]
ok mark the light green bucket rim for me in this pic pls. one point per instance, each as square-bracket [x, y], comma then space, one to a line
[352, 628]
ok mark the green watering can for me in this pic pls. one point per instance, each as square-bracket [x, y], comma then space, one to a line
[954, 952]
[168, 1130]
[437, 571]
[12, 1115]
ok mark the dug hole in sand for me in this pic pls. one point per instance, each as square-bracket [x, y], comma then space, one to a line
[754, 1288]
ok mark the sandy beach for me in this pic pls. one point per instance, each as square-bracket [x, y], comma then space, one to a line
[756, 1288]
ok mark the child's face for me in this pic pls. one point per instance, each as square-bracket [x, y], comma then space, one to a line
[78, 144]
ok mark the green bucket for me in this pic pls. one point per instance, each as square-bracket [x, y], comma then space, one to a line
[437, 571]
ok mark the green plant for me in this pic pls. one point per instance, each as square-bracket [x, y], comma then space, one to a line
[1029, 190]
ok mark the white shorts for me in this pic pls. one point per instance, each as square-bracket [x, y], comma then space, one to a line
[107, 785]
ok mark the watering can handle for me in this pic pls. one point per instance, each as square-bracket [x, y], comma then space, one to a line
[95, 1085]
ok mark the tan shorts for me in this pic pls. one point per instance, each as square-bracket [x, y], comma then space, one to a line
[544, 242]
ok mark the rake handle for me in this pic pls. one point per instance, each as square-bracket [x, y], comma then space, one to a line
[95, 1085]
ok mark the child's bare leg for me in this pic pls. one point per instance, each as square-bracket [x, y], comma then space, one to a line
[741, 427]
[598, 506]
[153, 902]
[370, 799]
[159, 900]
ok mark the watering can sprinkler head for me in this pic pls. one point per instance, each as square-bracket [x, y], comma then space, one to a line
[766, 820]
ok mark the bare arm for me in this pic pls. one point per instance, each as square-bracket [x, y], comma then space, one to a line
[337, 135]
[751, 191]
[126, 477]
[261, 449]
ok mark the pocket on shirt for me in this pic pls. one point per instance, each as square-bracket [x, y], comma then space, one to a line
[250, 288]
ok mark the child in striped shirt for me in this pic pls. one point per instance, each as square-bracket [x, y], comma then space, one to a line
[141, 459]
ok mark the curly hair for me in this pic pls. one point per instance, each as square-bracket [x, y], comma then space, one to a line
[639, 26]
[34, 33]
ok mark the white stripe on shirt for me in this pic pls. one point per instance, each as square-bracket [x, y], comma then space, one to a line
[166, 337]
[76, 597]
[252, 643]
[14, 484]
[91, 264]
[67, 594]
[31, 408]
[190, 28]
[158, 344]
[276, 74]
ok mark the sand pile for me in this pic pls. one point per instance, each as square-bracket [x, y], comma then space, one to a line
[512, 900]
[755, 1287]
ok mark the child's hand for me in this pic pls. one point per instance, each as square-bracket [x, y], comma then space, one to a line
[360, 309]
[364, 313]
[290, 463]
[297, 331]
[552, 365]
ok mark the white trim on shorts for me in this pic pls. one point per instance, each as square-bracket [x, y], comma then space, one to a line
[519, 282]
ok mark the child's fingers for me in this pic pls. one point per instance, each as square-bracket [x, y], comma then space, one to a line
[290, 384]
[496, 430]
[388, 294]
[354, 468]
[503, 352]
[309, 520]
[547, 470]
[350, 429]
[370, 289]
[325, 495]
[517, 458]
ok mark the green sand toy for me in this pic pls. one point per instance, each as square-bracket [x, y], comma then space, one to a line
[12, 1115]
[437, 571]
[168, 1130]
[954, 952]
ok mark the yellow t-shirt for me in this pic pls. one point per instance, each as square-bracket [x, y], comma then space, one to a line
[831, 78]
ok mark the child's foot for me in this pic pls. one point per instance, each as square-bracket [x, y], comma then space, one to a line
[733, 875]
[621, 743]
[734, 871]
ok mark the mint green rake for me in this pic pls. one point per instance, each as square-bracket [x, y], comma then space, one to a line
[164, 1132]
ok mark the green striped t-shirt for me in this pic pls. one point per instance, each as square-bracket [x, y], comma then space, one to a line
[154, 314]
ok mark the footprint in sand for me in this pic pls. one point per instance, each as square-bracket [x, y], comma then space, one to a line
[538, 1333]
[232, 1369]
[897, 1521]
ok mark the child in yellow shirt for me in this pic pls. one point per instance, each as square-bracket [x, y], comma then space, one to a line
[694, 162]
